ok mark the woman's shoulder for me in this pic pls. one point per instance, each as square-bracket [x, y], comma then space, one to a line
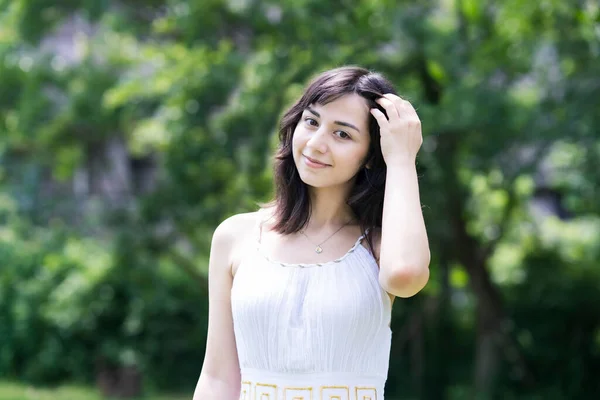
[238, 232]
[238, 228]
[238, 224]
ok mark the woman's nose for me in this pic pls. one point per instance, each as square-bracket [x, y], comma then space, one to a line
[318, 141]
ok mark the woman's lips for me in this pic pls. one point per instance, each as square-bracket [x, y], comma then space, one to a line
[314, 163]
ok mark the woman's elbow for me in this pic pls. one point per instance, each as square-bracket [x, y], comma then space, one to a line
[404, 281]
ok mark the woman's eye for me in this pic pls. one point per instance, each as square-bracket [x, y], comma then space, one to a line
[343, 135]
[311, 121]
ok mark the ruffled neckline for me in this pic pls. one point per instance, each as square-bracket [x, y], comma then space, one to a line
[312, 265]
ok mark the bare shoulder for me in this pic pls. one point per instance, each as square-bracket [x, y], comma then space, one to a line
[232, 236]
[231, 227]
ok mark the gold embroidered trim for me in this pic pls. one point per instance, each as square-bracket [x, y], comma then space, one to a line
[365, 396]
[246, 392]
[263, 394]
[335, 397]
[265, 390]
[285, 389]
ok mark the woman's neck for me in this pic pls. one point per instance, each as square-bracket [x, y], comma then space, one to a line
[329, 210]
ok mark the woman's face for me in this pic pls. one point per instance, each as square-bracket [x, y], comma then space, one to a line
[335, 134]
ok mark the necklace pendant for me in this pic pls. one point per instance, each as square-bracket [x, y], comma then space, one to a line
[318, 250]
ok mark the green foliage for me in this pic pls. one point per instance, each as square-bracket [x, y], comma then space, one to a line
[80, 300]
[15, 391]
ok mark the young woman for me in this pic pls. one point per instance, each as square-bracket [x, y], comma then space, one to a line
[299, 305]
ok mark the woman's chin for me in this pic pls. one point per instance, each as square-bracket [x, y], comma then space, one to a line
[313, 181]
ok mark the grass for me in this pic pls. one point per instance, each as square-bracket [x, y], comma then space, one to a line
[17, 391]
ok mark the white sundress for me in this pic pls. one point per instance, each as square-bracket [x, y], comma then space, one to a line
[311, 331]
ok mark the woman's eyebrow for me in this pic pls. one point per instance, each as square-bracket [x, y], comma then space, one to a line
[349, 125]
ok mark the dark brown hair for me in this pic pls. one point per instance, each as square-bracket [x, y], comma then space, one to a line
[292, 201]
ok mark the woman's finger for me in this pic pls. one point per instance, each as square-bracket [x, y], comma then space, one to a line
[390, 108]
[405, 109]
[410, 108]
[379, 117]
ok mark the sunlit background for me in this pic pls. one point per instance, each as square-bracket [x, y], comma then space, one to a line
[130, 129]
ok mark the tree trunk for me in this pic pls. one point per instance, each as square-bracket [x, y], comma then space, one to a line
[436, 381]
[486, 356]
[417, 350]
[491, 318]
[464, 248]
[118, 381]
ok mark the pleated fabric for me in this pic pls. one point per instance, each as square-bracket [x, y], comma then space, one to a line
[322, 323]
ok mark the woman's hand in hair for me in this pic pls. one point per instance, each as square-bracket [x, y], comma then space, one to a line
[401, 136]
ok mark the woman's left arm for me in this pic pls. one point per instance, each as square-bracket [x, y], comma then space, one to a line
[404, 251]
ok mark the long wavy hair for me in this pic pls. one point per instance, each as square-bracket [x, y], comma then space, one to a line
[291, 200]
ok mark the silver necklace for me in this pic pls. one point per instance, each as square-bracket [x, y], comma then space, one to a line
[319, 249]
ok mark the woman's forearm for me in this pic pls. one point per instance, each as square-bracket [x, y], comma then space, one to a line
[211, 388]
[404, 257]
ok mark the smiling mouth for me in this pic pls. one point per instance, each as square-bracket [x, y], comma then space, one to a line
[316, 162]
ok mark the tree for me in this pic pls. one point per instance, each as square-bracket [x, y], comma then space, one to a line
[185, 96]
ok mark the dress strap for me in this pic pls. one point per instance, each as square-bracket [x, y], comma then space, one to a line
[260, 221]
[259, 224]
[365, 235]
